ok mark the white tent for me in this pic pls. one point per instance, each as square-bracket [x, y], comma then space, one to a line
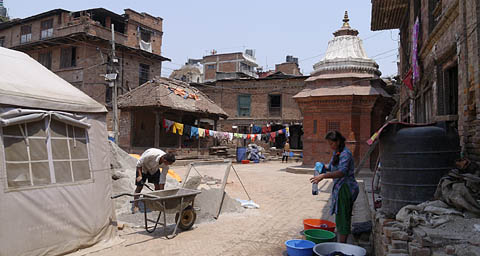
[55, 183]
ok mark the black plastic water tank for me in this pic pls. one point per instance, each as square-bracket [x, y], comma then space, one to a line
[413, 159]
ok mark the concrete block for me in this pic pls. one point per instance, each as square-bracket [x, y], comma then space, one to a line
[400, 235]
[389, 230]
[398, 244]
[414, 249]
[393, 250]
[450, 250]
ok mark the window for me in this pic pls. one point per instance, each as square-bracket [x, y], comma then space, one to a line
[448, 92]
[314, 126]
[68, 57]
[333, 126]
[47, 29]
[29, 162]
[2, 41]
[45, 59]
[244, 105]
[406, 113]
[143, 74]
[211, 66]
[434, 13]
[419, 110]
[145, 35]
[275, 105]
[428, 98]
[25, 34]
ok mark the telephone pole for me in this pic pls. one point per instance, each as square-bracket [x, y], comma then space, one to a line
[112, 83]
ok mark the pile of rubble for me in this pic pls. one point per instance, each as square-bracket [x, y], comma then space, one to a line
[450, 225]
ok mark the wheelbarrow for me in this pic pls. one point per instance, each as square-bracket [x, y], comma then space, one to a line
[179, 201]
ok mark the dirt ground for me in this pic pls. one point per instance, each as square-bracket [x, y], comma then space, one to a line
[285, 199]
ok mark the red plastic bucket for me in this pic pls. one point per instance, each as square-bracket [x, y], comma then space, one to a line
[245, 161]
[318, 224]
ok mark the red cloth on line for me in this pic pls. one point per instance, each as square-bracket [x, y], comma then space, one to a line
[408, 80]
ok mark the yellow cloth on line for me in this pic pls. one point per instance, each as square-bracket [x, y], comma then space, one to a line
[177, 128]
[201, 132]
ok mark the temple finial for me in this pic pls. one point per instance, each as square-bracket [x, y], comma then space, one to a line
[346, 20]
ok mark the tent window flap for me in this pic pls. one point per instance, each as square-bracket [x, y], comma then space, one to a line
[44, 152]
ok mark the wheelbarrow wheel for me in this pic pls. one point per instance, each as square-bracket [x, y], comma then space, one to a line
[188, 218]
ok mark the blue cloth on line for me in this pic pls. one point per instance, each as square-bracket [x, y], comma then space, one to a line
[257, 129]
[194, 132]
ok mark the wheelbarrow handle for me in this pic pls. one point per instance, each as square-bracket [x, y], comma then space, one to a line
[128, 194]
[122, 194]
[133, 194]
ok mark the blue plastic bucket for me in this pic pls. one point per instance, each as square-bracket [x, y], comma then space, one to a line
[299, 247]
[241, 154]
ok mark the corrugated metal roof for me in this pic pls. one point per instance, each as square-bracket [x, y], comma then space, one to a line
[388, 14]
[157, 93]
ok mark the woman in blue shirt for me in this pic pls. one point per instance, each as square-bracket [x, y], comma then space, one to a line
[345, 187]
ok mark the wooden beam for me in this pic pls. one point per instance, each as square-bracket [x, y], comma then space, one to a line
[157, 129]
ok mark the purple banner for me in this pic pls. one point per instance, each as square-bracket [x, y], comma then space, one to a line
[415, 67]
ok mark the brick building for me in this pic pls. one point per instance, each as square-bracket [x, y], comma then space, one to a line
[439, 44]
[229, 65]
[145, 107]
[289, 67]
[259, 101]
[191, 72]
[76, 46]
[344, 93]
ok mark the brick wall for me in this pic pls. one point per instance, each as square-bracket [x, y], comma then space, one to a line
[454, 40]
[259, 89]
[147, 21]
[288, 68]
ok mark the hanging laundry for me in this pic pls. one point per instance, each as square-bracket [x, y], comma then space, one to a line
[264, 129]
[287, 131]
[187, 129]
[272, 136]
[207, 133]
[194, 132]
[280, 131]
[177, 128]
[167, 124]
[201, 132]
[244, 136]
[230, 136]
[256, 129]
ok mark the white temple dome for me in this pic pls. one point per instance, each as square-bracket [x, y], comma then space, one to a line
[345, 54]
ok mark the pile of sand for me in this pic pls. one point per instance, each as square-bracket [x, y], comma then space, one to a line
[208, 201]
[123, 167]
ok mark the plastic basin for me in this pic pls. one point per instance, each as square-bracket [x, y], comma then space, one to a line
[318, 224]
[319, 235]
[245, 161]
[298, 247]
[327, 248]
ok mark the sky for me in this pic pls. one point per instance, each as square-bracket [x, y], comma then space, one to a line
[273, 29]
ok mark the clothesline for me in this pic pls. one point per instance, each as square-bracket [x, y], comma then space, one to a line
[192, 131]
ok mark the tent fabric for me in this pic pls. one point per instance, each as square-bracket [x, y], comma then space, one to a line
[25, 82]
[18, 116]
[60, 218]
[45, 216]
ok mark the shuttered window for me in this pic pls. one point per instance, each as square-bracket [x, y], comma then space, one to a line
[47, 29]
[26, 34]
[244, 102]
[68, 57]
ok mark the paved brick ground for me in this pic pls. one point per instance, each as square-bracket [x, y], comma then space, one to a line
[285, 200]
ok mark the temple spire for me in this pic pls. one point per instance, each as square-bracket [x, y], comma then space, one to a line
[346, 20]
